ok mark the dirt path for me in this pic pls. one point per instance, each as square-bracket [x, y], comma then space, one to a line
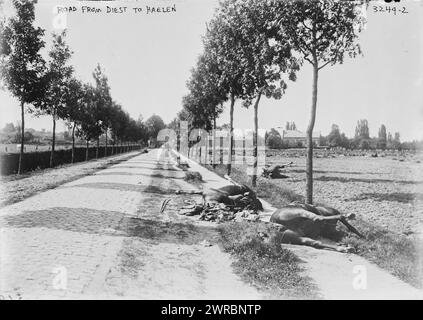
[103, 236]
[337, 275]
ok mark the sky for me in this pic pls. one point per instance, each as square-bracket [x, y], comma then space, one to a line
[148, 58]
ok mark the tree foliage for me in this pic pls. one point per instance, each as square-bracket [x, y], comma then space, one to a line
[21, 64]
[49, 87]
[55, 81]
[56, 77]
[153, 125]
[334, 138]
[252, 56]
[204, 101]
[273, 139]
[290, 126]
[382, 138]
[362, 130]
[322, 33]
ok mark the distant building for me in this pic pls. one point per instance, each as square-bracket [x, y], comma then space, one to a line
[296, 138]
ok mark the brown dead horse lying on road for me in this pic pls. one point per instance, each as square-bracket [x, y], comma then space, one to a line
[302, 222]
[231, 195]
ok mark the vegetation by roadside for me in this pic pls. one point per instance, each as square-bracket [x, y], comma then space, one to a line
[262, 261]
[396, 253]
[15, 188]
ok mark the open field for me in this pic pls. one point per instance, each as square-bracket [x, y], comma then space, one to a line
[386, 191]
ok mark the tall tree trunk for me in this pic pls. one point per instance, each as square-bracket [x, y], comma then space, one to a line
[214, 141]
[96, 149]
[22, 138]
[105, 149]
[309, 158]
[53, 141]
[73, 142]
[255, 140]
[86, 151]
[231, 134]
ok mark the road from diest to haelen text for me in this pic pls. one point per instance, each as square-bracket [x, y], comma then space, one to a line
[103, 237]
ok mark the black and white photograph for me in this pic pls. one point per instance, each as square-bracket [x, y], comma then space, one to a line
[211, 150]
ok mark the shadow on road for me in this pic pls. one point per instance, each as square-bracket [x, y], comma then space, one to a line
[112, 223]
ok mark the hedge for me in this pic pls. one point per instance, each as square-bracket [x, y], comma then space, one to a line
[41, 160]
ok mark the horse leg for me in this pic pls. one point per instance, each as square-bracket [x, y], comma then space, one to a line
[292, 237]
[325, 214]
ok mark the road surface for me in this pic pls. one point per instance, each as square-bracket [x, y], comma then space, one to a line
[103, 237]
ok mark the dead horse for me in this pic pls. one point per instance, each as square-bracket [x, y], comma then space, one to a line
[302, 222]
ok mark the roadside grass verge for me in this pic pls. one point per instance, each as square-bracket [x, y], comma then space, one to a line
[260, 257]
[398, 254]
[261, 260]
[15, 188]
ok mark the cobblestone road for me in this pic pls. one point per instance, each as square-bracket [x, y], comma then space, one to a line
[102, 236]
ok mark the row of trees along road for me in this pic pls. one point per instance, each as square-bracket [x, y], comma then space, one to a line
[253, 47]
[50, 88]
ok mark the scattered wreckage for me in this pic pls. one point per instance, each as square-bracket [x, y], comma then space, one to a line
[226, 203]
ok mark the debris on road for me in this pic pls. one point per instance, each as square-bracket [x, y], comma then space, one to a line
[183, 165]
[193, 176]
[226, 207]
[164, 204]
[219, 212]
